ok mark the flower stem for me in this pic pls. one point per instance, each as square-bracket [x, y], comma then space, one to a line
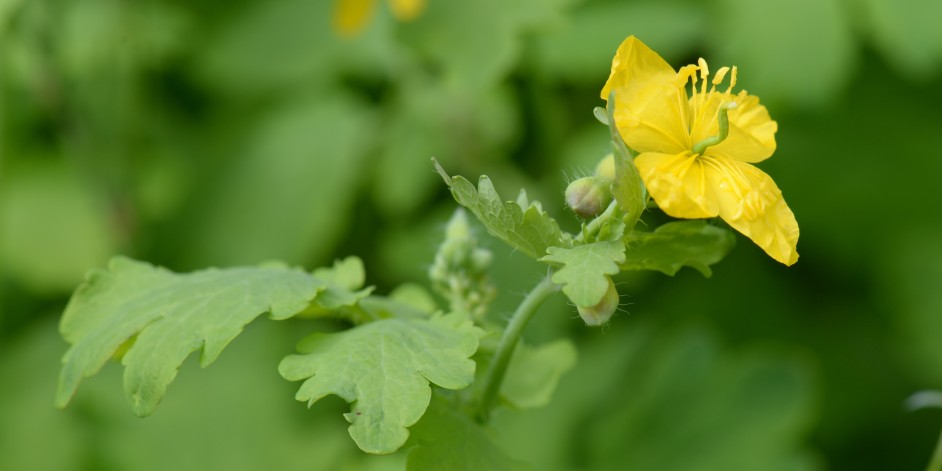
[595, 225]
[508, 342]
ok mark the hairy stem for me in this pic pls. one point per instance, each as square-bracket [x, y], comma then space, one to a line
[508, 342]
[588, 231]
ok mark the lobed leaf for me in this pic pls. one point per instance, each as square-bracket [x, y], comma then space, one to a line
[534, 373]
[384, 368]
[584, 269]
[165, 316]
[523, 225]
[447, 439]
[342, 284]
[674, 245]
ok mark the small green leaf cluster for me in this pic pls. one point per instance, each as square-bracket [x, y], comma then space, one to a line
[460, 270]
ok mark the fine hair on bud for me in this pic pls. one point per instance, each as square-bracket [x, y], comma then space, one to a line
[603, 311]
[588, 196]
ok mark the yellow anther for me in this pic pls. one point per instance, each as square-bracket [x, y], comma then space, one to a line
[685, 73]
[720, 75]
[704, 73]
[704, 70]
[732, 80]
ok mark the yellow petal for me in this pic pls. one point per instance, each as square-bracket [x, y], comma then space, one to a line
[407, 10]
[351, 16]
[751, 130]
[752, 204]
[649, 105]
[678, 184]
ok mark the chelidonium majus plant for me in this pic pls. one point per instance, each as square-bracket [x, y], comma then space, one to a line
[415, 372]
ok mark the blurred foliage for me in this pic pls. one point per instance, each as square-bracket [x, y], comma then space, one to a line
[192, 134]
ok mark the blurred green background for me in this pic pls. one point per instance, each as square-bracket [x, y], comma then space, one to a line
[197, 133]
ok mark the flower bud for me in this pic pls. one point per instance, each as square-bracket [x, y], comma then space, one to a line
[481, 260]
[606, 167]
[603, 311]
[588, 196]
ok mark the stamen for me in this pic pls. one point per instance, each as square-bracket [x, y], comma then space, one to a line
[732, 80]
[704, 73]
[693, 81]
[723, 119]
[720, 75]
[684, 74]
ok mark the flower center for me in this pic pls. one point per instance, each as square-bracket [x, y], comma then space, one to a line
[723, 118]
[702, 101]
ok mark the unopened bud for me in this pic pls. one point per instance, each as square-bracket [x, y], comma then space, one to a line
[603, 311]
[481, 260]
[588, 196]
[606, 167]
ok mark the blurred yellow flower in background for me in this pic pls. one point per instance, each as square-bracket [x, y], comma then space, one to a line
[696, 151]
[351, 16]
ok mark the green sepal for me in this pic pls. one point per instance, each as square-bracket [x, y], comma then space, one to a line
[628, 189]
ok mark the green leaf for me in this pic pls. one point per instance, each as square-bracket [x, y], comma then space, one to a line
[525, 227]
[415, 296]
[628, 189]
[585, 269]
[347, 273]
[384, 369]
[382, 307]
[534, 373]
[447, 439]
[342, 280]
[670, 247]
[168, 316]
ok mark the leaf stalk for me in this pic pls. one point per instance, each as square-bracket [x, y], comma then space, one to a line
[508, 342]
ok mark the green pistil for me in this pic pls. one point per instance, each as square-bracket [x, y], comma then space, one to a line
[701, 146]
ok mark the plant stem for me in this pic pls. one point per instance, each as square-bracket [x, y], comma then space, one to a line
[508, 342]
[596, 224]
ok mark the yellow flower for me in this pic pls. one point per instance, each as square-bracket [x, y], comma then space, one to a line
[695, 149]
[351, 16]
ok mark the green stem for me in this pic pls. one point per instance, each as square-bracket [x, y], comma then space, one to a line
[508, 342]
[595, 225]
